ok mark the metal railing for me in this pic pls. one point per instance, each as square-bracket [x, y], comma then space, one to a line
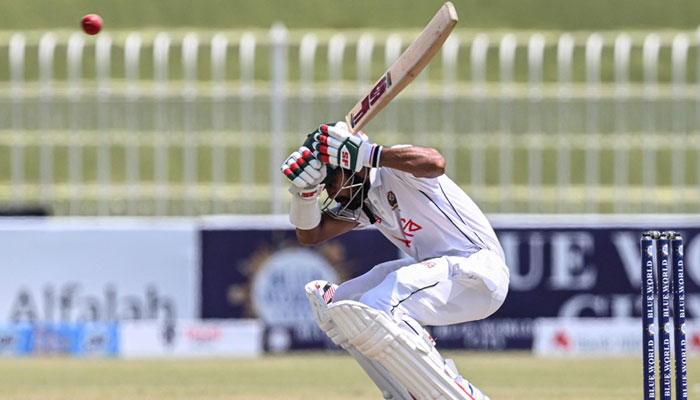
[139, 123]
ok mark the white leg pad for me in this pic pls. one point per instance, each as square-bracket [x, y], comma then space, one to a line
[320, 308]
[390, 387]
[406, 355]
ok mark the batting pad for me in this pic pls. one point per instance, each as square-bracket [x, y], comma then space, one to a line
[408, 357]
[320, 308]
[390, 387]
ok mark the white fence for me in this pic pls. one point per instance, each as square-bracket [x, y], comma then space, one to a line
[139, 123]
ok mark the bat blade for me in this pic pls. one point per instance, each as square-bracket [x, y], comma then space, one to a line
[405, 69]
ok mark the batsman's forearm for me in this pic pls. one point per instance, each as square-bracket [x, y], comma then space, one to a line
[422, 162]
[309, 237]
[327, 229]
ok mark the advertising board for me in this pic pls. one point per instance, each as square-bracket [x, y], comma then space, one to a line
[82, 270]
[191, 338]
[560, 266]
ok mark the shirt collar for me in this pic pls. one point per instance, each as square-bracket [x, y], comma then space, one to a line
[374, 178]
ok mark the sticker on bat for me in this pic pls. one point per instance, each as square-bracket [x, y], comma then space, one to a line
[371, 99]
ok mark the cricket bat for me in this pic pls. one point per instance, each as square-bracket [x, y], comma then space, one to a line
[405, 69]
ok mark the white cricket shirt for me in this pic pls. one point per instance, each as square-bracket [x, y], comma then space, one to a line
[427, 217]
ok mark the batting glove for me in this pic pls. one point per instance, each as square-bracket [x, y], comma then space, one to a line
[306, 174]
[335, 145]
[303, 169]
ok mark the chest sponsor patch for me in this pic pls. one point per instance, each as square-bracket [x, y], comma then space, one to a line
[408, 227]
[391, 198]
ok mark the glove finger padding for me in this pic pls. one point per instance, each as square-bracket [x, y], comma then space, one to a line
[306, 169]
[327, 151]
[303, 169]
[342, 126]
[340, 133]
[309, 157]
[324, 138]
[343, 148]
[291, 170]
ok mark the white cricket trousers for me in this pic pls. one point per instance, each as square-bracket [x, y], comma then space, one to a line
[439, 291]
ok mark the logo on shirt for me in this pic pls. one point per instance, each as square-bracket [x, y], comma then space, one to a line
[408, 227]
[391, 198]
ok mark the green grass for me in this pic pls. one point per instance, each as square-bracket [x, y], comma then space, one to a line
[310, 376]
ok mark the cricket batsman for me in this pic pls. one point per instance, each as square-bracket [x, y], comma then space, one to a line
[455, 270]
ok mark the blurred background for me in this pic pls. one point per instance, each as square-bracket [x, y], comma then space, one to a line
[145, 210]
[181, 110]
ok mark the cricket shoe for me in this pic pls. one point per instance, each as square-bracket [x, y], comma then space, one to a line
[407, 352]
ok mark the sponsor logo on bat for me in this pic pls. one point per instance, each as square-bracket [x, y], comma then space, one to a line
[371, 99]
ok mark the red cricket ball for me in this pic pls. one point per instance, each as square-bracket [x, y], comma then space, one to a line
[91, 23]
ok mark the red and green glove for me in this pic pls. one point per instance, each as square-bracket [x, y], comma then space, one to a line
[337, 146]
